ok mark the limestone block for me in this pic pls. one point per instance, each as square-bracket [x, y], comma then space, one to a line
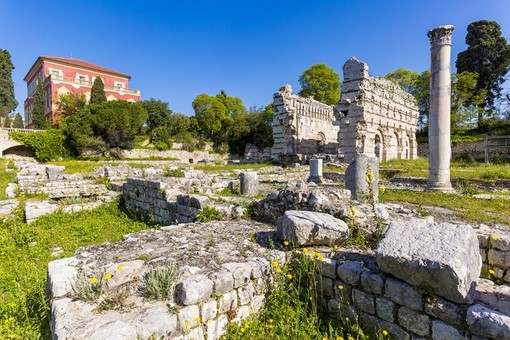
[494, 296]
[403, 294]
[61, 275]
[488, 323]
[326, 285]
[194, 289]
[326, 267]
[223, 282]
[217, 327]
[373, 326]
[10, 191]
[7, 206]
[246, 294]
[258, 302]
[363, 301]
[499, 258]
[156, 323]
[372, 283]
[240, 271]
[53, 171]
[307, 227]
[259, 267]
[385, 309]
[34, 210]
[198, 202]
[121, 329]
[413, 321]
[350, 272]
[443, 331]
[249, 183]
[189, 317]
[342, 291]
[228, 302]
[209, 310]
[362, 178]
[445, 310]
[441, 257]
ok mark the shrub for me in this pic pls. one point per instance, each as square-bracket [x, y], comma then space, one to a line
[173, 173]
[209, 214]
[89, 287]
[48, 145]
[158, 283]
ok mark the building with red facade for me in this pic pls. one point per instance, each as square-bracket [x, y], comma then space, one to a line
[64, 75]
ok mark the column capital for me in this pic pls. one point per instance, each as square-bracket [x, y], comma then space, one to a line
[441, 35]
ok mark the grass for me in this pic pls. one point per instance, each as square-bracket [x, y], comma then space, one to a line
[458, 169]
[231, 167]
[80, 166]
[466, 207]
[159, 282]
[5, 177]
[26, 250]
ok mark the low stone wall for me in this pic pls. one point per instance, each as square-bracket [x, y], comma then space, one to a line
[183, 156]
[356, 288]
[468, 149]
[495, 252]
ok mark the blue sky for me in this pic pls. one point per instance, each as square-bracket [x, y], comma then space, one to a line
[176, 50]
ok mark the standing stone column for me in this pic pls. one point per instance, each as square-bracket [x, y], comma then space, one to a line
[439, 112]
[315, 171]
[249, 183]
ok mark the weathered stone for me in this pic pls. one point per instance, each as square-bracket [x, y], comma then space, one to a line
[249, 183]
[61, 276]
[7, 206]
[10, 190]
[326, 267]
[34, 210]
[240, 271]
[350, 272]
[374, 325]
[444, 310]
[189, 317]
[441, 257]
[403, 294]
[363, 301]
[209, 310]
[385, 309]
[493, 296]
[362, 178]
[156, 323]
[498, 258]
[413, 321]
[228, 302]
[488, 323]
[194, 289]
[315, 171]
[342, 291]
[223, 282]
[326, 285]
[216, 328]
[372, 283]
[246, 294]
[443, 331]
[307, 227]
[259, 267]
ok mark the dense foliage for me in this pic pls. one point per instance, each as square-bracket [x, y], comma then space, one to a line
[39, 119]
[70, 103]
[47, 146]
[320, 82]
[8, 101]
[18, 122]
[488, 54]
[97, 95]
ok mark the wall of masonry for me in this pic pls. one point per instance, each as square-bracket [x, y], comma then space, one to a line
[358, 289]
[302, 125]
[376, 117]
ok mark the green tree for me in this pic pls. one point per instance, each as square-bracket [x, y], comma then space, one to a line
[7, 100]
[466, 101]
[70, 104]
[7, 121]
[488, 54]
[97, 94]
[320, 82]
[210, 113]
[39, 119]
[18, 122]
[158, 115]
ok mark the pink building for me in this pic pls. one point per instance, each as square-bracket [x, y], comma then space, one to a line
[63, 75]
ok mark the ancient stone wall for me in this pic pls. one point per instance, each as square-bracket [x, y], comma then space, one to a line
[302, 125]
[375, 116]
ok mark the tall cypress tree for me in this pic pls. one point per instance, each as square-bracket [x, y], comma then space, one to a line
[7, 100]
[8, 121]
[97, 94]
[39, 119]
[18, 122]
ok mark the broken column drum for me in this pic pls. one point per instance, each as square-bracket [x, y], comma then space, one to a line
[249, 183]
[439, 114]
[315, 171]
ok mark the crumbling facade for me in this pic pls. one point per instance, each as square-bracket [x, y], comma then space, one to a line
[302, 126]
[374, 117]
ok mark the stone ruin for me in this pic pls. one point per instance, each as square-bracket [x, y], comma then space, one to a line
[374, 117]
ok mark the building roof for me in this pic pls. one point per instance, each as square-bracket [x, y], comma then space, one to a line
[77, 63]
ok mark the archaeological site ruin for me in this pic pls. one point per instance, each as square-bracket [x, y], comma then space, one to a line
[373, 117]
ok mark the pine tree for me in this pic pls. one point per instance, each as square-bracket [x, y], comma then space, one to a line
[7, 100]
[18, 122]
[7, 121]
[39, 119]
[97, 94]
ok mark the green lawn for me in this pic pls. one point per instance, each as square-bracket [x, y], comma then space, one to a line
[5, 177]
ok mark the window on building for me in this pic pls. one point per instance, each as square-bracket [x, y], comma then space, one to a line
[55, 74]
[82, 79]
[119, 86]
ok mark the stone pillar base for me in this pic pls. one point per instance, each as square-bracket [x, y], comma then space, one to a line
[442, 187]
[315, 179]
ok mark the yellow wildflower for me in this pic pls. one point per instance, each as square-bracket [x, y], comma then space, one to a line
[120, 266]
[278, 270]
[285, 243]
[197, 319]
[491, 271]
[92, 280]
[107, 276]
[275, 264]
[187, 324]
[350, 338]
[320, 256]
[270, 320]
[494, 237]
[242, 329]
[289, 276]
[305, 250]
[340, 287]
[384, 332]
[339, 338]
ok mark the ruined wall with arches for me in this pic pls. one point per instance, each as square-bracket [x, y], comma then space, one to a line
[302, 126]
[375, 116]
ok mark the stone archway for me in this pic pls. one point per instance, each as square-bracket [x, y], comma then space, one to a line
[321, 142]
